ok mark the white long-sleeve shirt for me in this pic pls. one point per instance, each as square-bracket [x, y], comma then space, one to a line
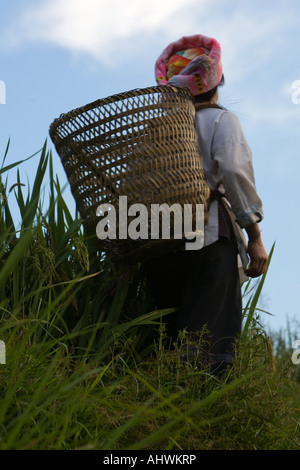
[227, 161]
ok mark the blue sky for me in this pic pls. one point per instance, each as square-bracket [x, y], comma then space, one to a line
[56, 55]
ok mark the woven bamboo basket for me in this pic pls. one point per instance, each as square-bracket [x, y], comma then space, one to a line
[141, 144]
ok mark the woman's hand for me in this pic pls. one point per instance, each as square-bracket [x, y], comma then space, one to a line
[257, 253]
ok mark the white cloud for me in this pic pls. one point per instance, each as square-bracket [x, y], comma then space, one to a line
[122, 33]
[98, 27]
[117, 31]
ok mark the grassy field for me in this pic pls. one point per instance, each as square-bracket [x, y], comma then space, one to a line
[87, 361]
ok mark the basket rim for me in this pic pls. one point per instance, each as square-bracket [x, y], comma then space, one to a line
[74, 113]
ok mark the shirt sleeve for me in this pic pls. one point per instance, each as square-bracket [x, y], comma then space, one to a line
[233, 160]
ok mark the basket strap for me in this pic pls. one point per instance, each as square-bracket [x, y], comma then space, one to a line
[200, 106]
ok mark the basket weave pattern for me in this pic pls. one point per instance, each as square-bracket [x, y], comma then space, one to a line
[141, 144]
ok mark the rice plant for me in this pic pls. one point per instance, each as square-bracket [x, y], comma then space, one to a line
[87, 366]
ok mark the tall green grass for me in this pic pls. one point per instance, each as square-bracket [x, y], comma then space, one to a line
[87, 366]
[54, 276]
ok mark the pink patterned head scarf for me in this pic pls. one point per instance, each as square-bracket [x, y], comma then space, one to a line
[192, 62]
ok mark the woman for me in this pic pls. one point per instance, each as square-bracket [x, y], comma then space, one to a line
[205, 285]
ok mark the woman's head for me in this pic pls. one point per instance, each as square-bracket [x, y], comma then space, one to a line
[192, 62]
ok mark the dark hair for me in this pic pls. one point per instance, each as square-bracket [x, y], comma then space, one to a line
[204, 97]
